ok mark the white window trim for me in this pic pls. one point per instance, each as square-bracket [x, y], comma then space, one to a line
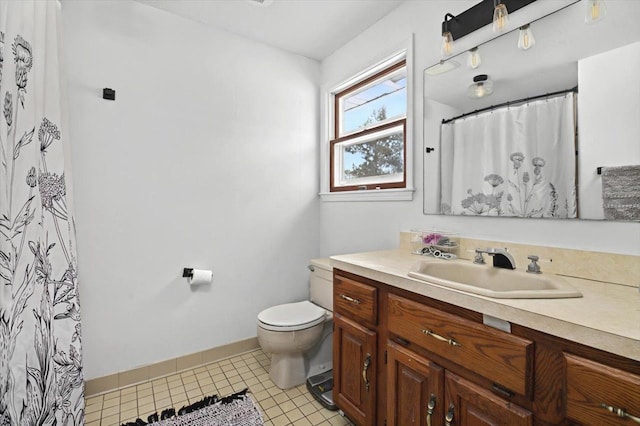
[326, 132]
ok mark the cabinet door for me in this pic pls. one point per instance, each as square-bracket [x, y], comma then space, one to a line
[415, 389]
[469, 404]
[598, 394]
[354, 370]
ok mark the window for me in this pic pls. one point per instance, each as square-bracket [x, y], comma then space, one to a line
[369, 146]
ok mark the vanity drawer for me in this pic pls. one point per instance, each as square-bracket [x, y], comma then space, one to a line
[505, 359]
[591, 384]
[355, 300]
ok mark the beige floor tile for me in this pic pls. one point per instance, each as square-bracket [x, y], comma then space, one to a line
[267, 403]
[92, 417]
[225, 391]
[129, 416]
[128, 397]
[146, 409]
[93, 408]
[142, 393]
[189, 379]
[205, 381]
[161, 387]
[128, 391]
[281, 421]
[108, 412]
[208, 389]
[308, 409]
[176, 391]
[93, 423]
[161, 395]
[294, 415]
[145, 400]
[143, 386]
[281, 397]
[302, 422]
[113, 402]
[287, 406]
[273, 412]
[111, 395]
[94, 400]
[111, 420]
[128, 406]
[235, 379]
[191, 385]
[163, 404]
[315, 418]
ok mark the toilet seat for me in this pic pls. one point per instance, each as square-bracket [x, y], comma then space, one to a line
[291, 316]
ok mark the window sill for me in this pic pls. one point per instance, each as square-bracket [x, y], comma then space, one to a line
[405, 194]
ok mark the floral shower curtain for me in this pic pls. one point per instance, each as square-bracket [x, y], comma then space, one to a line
[41, 380]
[514, 161]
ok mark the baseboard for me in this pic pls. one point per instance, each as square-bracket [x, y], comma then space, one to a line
[165, 368]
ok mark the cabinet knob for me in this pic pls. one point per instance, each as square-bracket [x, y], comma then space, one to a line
[448, 418]
[430, 407]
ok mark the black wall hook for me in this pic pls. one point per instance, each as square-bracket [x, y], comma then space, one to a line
[108, 94]
[187, 272]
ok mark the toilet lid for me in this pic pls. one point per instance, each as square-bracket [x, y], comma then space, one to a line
[291, 316]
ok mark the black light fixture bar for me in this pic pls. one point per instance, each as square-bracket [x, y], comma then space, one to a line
[478, 16]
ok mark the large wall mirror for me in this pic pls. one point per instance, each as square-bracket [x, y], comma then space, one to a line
[538, 132]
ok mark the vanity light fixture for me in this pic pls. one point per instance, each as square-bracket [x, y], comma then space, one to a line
[596, 10]
[447, 37]
[473, 60]
[500, 16]
[481, 87]
[476, 17]
[525, 38]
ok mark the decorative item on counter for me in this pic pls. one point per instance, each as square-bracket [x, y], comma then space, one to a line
[434, 243]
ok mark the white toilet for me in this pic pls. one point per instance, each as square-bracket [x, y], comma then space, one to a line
[290, 330]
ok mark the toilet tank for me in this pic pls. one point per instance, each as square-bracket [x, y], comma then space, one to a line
[321, 283]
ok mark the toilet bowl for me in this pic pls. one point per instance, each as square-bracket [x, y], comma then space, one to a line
[290, 330]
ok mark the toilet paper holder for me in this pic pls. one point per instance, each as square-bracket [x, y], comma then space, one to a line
[187, 272]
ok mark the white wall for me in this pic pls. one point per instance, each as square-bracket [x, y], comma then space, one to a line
[609, 117]
[355, 226]
[207, 159]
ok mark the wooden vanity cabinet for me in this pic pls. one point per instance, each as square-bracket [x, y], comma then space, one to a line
[427, 363]
[355, 345]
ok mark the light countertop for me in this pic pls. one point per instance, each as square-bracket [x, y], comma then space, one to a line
[607, 317]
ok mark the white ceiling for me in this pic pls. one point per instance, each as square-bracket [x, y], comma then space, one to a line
[312, 28]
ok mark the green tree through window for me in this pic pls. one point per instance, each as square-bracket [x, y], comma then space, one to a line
[382, 156]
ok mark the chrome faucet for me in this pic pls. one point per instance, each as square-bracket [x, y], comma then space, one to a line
[501, 258]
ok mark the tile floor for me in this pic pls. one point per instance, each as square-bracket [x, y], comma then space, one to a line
[279, 408]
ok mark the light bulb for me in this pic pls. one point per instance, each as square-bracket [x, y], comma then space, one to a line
[480, 87]
[447, 44]
[473, 60]
[525, 38]
[500, 17]
[596, 10]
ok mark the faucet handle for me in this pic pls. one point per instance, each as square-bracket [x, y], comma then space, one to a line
[533, 267]
[478, 258]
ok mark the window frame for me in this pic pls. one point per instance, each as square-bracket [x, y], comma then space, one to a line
[344, 73]
[369, 130]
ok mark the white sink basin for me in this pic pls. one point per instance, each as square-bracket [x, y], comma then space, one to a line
[489, 281]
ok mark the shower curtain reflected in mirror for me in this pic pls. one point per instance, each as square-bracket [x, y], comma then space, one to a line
[41, 378]
[515, 161]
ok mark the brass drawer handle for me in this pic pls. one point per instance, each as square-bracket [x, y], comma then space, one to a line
[350, 299]
[442, 339]
[365, 367]
[620, 412]
[448, 418]
[430, 407]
